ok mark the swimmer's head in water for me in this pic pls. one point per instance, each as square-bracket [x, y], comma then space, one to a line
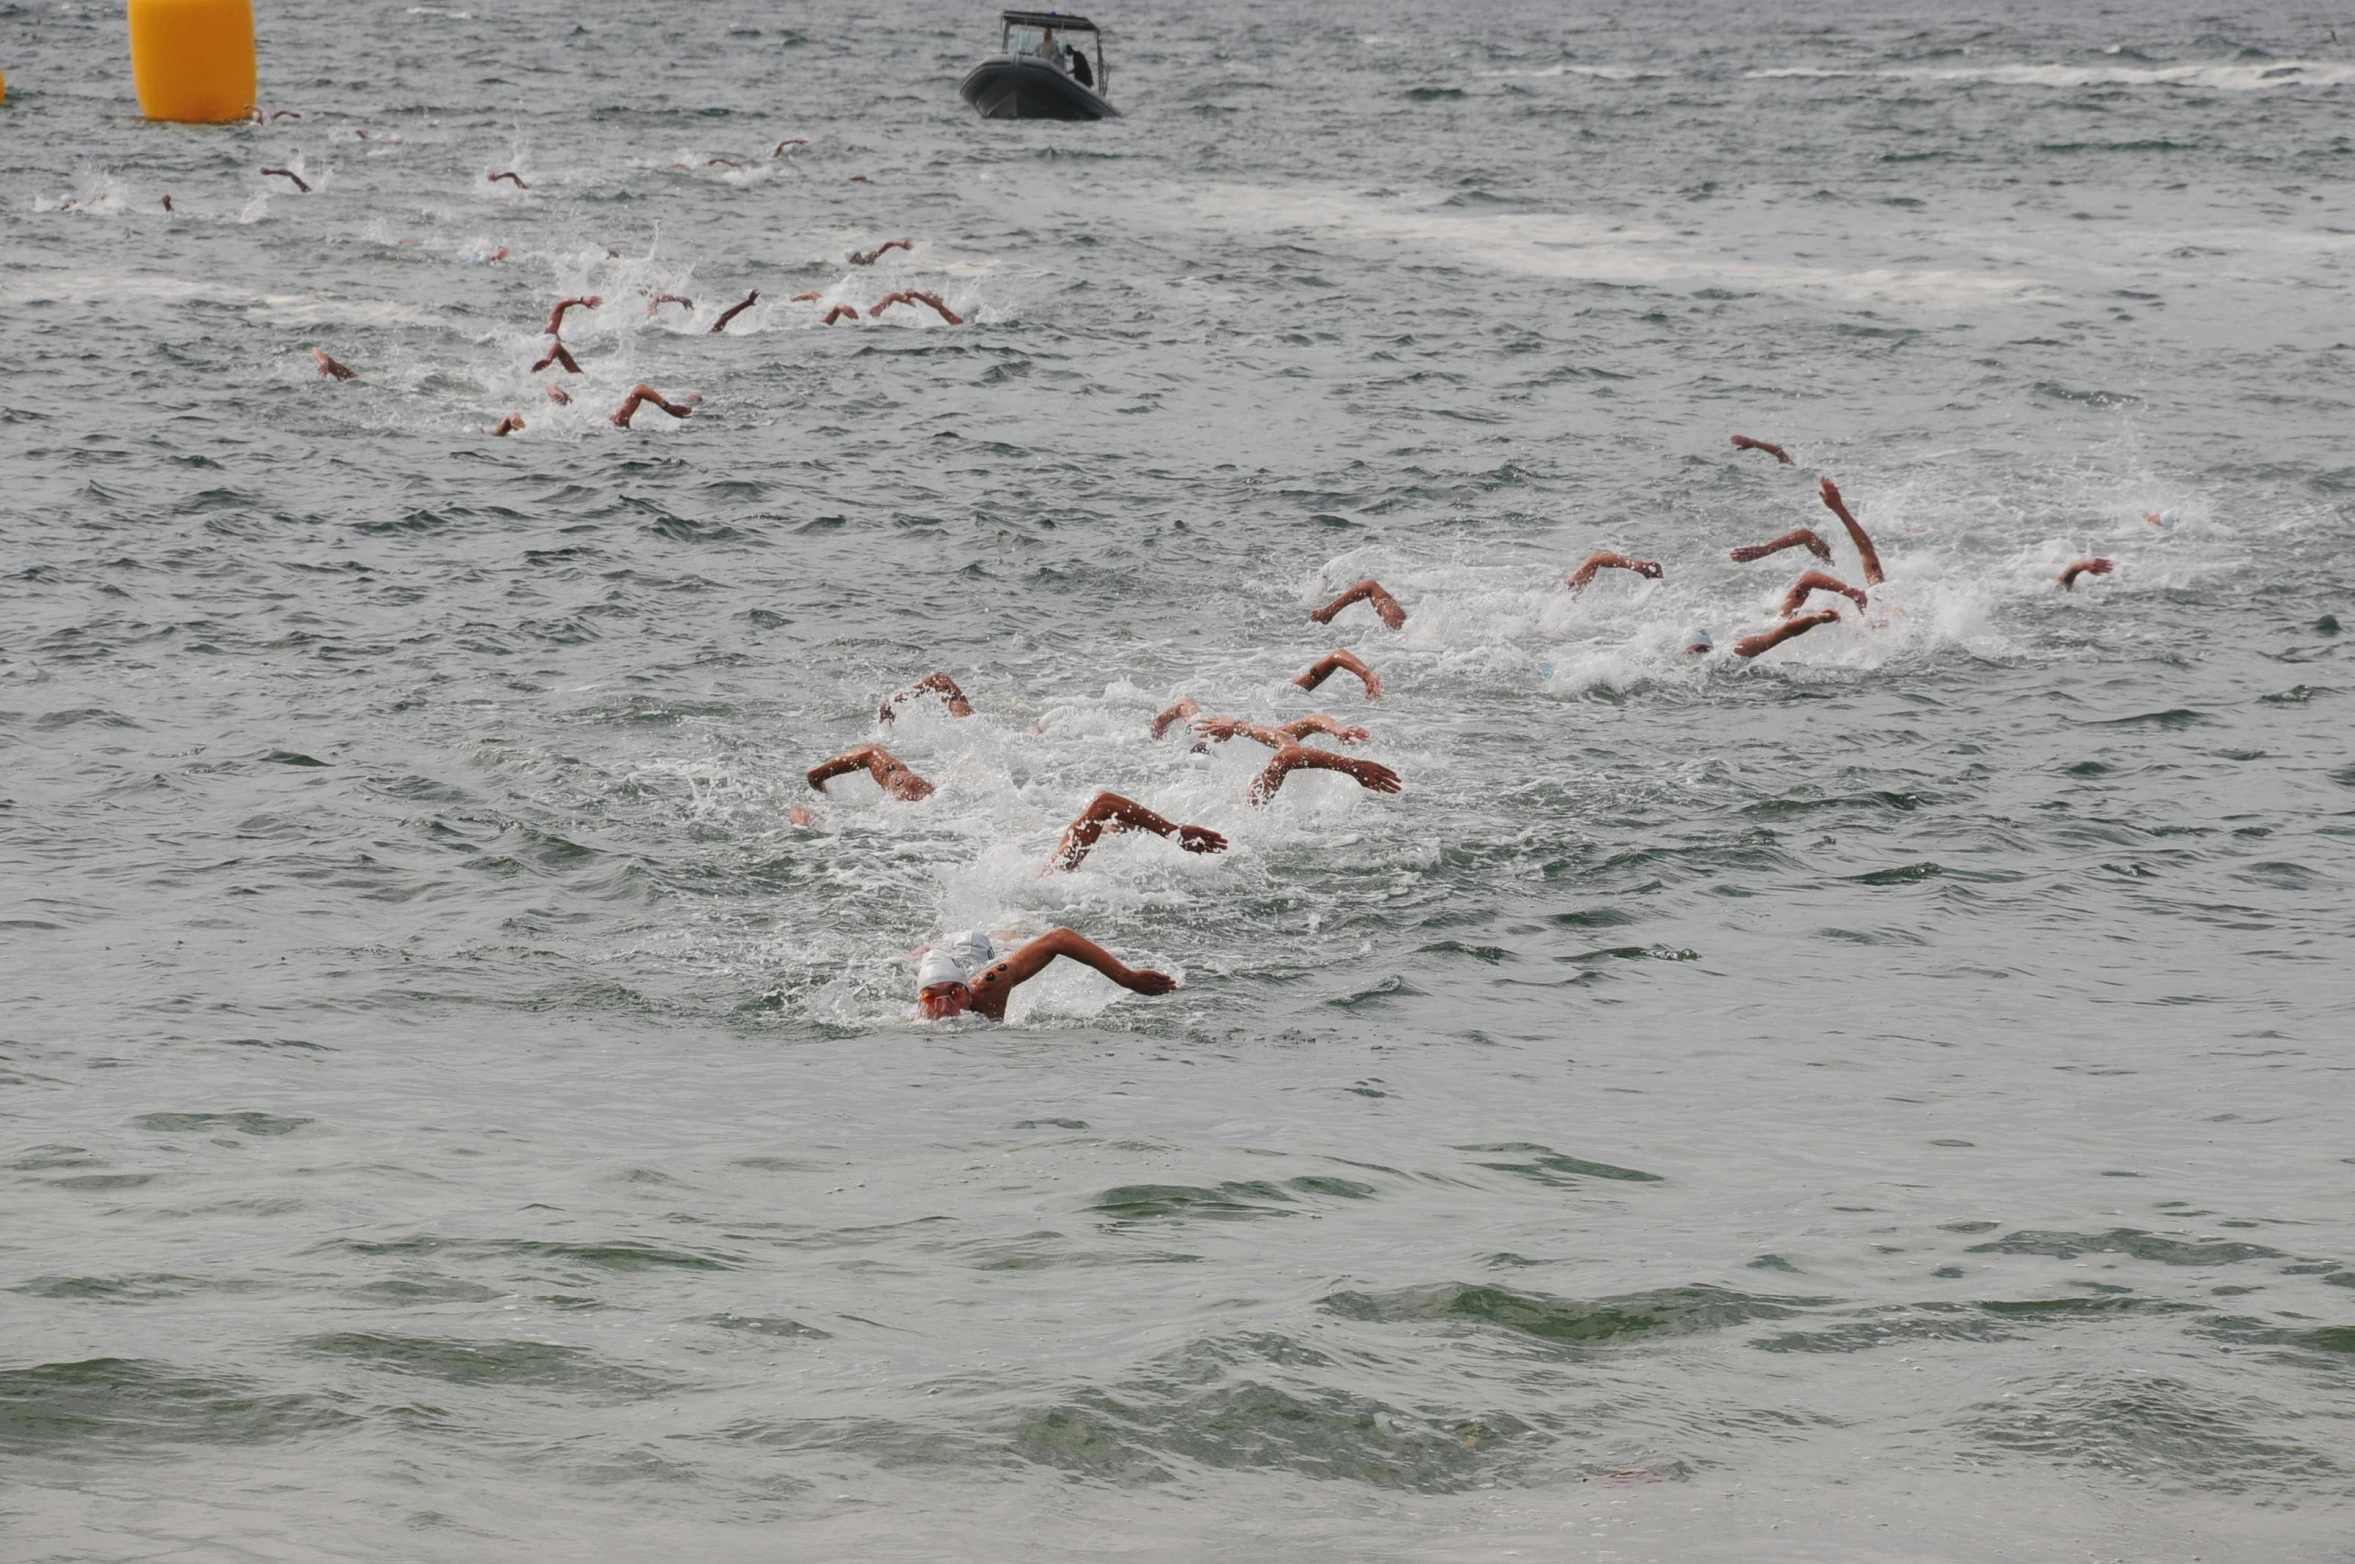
[944, 978]
[1697, 641]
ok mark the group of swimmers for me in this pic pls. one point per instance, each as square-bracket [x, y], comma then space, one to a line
[965, 972]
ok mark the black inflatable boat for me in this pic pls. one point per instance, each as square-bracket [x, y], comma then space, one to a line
[1042, 70]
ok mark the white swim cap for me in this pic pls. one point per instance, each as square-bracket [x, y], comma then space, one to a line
[939, 967]
[970, 949]
[1697, 639]
[954, 960]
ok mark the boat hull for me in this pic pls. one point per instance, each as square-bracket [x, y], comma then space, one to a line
[1021, 87]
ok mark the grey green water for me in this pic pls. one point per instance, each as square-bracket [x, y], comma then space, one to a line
[1886, 1102]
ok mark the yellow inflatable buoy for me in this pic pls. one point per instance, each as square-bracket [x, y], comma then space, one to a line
[193, 59]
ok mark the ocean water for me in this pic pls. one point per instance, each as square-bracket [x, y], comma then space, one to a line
[1887, 1101]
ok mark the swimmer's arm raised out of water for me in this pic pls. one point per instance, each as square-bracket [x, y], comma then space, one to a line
[1338, 660]
[996, 984]
[1798, 537]
[586, 301]
[890, 772]
[1111, 812]
[1185, 707]
[328, 366]
[1318, 722]
[937, 680]
[1818, 581]
[1371, 775]
[1768, 640]
[1743, 442]
[1604, 559]
[1864, 545]
[2082, 567]
[1220, 729]
[1367, 591]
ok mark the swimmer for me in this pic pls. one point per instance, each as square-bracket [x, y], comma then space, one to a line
[1830, 493]
[1371, 775]
[660, 299]
[935, 682]
[870, 257]
[1368, 591]
[778, 150]
[1743, 442]
[1604, 559]
[720, 161]
[642, 393]
[559, 395]
[914, 296]
[508, 425]
[837, 312]
[1186, 707]
[1110, 812]
[2157, 518]
[890, 772]
[810, 297]
[1817, 581]
[584, 301]
[959, 975]
[167, 200]
[285, 114]
[732, 311]
[860, 179]
[331, 368]
[508, 174]
[557, 354]
[1336, 661]
[1798, 537]
[287, 173]
[2083, 567]
[1768, 640]
[1276, 735]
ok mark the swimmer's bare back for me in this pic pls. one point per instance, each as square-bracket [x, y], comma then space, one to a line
[330, 368]
[937, 682]
[1768, 640]
[1108, 812]
[300, 183]
[734, 310]
[1369, 591]
[1817, 581]
[1604, 559]
[2083, 567]
[1743, 442]
[1798, 537]
[1371, 775]
[890, 772]
[584, 301]
[996, 983]
[1338, 661]
[1830, 493]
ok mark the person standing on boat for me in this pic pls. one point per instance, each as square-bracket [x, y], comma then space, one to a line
[1048, 50]
[1076, 63]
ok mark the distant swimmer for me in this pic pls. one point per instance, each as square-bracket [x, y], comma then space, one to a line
[734, 310]
[2083, 567]
[1275, 735]
[559, 396]
[810, 297]
[2157, 518]
[660, 299]
[167, 200]
[508, 425]
[1371, 775]
[870, 257]
[915, 296]
[1864, 545]
[1185, 707]
[1108, 812]
[778, 150]
[1698, 642]
[331, 368]
[1743, 442]
[1368, 591]
[718, 162]
[557, 354]
[890, 772]
[1818, 581]
[1604, 559]
[300, 183]
[508, 174]
[1339, 661]
[391, 137]
[579, 301]
[1798, 537]
[960, 974]
[642, 393]
[860, 179]
[837, 312]
[285, 114]
[936, 682]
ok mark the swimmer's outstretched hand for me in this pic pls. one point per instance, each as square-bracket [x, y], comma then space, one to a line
[1368, 591]
[1143, 980]
[1604, 559]
[1338, 660]
[1743, 442]
[1830, 493]
[890, 772]
[1200, 839]
[2083, 567]
[1817, 581]
[1798, 537]
[1371, 775]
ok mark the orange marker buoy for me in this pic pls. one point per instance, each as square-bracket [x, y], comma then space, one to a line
[193, 59]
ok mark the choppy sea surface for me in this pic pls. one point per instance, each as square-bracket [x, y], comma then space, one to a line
[1887, 1101]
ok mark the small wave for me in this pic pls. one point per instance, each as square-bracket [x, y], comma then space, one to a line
[2250, 76]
